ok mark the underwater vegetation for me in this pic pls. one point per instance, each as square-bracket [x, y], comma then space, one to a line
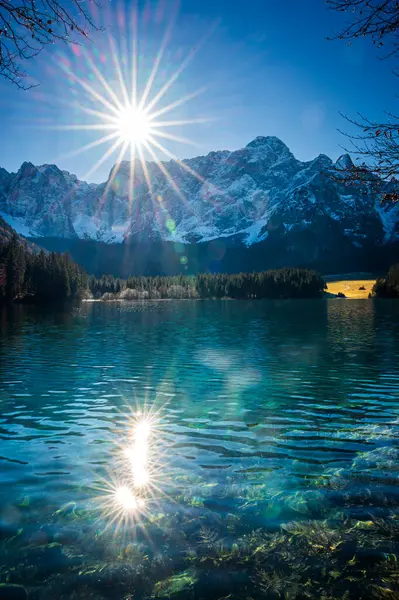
[337, 558]
[149, 527]
[337, 538]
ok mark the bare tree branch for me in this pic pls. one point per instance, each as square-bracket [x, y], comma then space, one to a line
[376, 148]
[26, 26]
[377, 19]
[376, 145]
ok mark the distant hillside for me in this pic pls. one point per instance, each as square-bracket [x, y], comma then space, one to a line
[306, 249]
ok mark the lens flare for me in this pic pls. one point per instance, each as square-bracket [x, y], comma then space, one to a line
[125, 497]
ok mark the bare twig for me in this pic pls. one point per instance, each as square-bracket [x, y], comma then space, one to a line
[376, 145]
[377, 19]
[26, 26]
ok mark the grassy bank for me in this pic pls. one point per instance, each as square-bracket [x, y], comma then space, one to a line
[351, 288]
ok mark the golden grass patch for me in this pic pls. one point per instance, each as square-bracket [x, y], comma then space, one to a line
[351, 288]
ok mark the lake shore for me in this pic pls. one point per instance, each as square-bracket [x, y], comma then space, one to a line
[356, 289]
[351, 285]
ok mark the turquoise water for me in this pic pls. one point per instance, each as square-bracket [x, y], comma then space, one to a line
[201, 449]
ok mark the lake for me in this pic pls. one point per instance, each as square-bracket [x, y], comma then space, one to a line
[200, 449]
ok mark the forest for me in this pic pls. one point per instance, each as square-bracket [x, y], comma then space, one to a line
[275, 283]
[42, 277]
[387, 287]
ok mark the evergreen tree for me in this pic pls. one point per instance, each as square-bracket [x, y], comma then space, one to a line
[43, 277]
[15, 269]
[387, 287]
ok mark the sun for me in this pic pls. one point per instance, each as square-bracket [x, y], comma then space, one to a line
[131, 112]
[133, 126]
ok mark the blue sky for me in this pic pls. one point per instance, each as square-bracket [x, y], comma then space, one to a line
[266, 66]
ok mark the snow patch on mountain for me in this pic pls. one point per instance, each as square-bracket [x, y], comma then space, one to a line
[245, 194]
[389, 215]
[17, 224]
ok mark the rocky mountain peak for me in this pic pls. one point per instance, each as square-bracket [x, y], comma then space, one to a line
[235, 195]
[344, 162]
[27, 169]
[268, 143]
[268, 150]
[48, 169]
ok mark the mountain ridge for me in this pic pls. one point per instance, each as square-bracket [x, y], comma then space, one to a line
[241, 196]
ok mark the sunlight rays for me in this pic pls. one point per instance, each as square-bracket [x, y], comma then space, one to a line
[153, 74]
[145, 170]
[118, 69]
[129, 118]
[175, 138]
[179, 122]
[91, 91]
[132, 170]
[104, 83]
[170, 82]
[103, 158]
[133, 97]
[179, 102]
[179, 162]
[114, 171]
[103, 140]
[177, 73]
[164, 170]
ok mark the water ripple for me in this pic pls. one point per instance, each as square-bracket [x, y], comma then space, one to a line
[246, 391]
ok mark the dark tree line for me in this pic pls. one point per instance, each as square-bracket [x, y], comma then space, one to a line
[388, 287]
[52, 277]
[39, 276]
[277, 283]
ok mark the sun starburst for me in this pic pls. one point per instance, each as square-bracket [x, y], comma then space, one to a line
[138, 473]
[133, 123]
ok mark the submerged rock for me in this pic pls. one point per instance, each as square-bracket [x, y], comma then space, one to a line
[12, 592]
[384, 458]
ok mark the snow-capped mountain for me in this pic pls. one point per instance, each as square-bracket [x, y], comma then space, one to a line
[241, 196]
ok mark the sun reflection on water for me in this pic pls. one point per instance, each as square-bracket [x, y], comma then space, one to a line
[125, 497]
[132, 487]
[137, 453]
